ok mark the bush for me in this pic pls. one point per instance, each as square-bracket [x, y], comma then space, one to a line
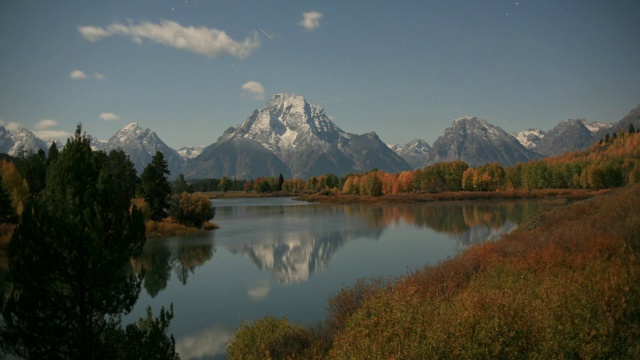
[191, 209]
[271, 338]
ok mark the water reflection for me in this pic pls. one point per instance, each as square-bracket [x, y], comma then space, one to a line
[293, 242]
[180, 254]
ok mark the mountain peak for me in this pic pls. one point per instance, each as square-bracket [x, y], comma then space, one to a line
[304, 138]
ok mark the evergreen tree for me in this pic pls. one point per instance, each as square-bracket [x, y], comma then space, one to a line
[181, 185]
[155, 187]
[69, 263]
[33, 168]
[52, 155]
[280, 182]
[7, 212]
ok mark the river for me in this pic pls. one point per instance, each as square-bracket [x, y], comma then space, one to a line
[285, 258]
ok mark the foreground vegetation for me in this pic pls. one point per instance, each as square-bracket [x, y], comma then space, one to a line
[69, 272]
[566, 284]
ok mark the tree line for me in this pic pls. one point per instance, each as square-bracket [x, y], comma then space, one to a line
[610, 163]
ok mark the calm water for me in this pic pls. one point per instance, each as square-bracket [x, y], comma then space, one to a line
[282, 257]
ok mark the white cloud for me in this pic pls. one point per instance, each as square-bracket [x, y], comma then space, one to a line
[200, 40]
[260, 291]
[81, 75]
[52, 134]
[11, 126]
[254, 89]
[78, 75]
[45, 123]
[311, 20]
[109, 116]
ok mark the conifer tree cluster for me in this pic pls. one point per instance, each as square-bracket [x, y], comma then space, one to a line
[69, 262]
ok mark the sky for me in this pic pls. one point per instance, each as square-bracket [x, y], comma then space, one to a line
[405, 69]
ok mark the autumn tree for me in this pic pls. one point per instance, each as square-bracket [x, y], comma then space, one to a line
[192, 209]
[15, 186]
[154, 186]
[69, 263]
[225, 184]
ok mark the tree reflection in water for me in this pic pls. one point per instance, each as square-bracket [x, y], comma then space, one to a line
[182, 255]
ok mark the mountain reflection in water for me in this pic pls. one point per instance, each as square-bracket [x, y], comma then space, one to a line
[293, 242]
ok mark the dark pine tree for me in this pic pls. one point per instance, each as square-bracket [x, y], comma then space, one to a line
[280, 182]
[33, 168]
[155, 188]
[69, 264]
[7, 212]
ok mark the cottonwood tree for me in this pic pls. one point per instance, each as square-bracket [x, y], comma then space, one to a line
[69, 264]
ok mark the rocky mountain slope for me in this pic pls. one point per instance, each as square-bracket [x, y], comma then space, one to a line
[416, 152]
[569, 135]
[477, 142]
[302, 137]
[141, 145]
[22, 141]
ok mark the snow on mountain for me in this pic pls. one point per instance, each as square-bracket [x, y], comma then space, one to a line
[21, 142]
[141, 145]
[529, 138]
[416, 152]
[307, 141]
[190, 152]
[595, 126]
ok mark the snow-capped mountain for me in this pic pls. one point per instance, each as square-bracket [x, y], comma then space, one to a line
[21, 142]
[141, 145]
[529, 138]
[596, 126]
[190, 152]
[478, 142]
[303, 138]
[568, 135]
[416, 152]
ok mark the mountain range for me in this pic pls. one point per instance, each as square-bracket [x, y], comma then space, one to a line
[297, 139]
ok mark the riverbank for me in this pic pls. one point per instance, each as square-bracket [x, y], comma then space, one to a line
[244, 194]
[565, 284]
[570, 194]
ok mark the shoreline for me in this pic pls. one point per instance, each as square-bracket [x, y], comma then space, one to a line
[569, 194]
